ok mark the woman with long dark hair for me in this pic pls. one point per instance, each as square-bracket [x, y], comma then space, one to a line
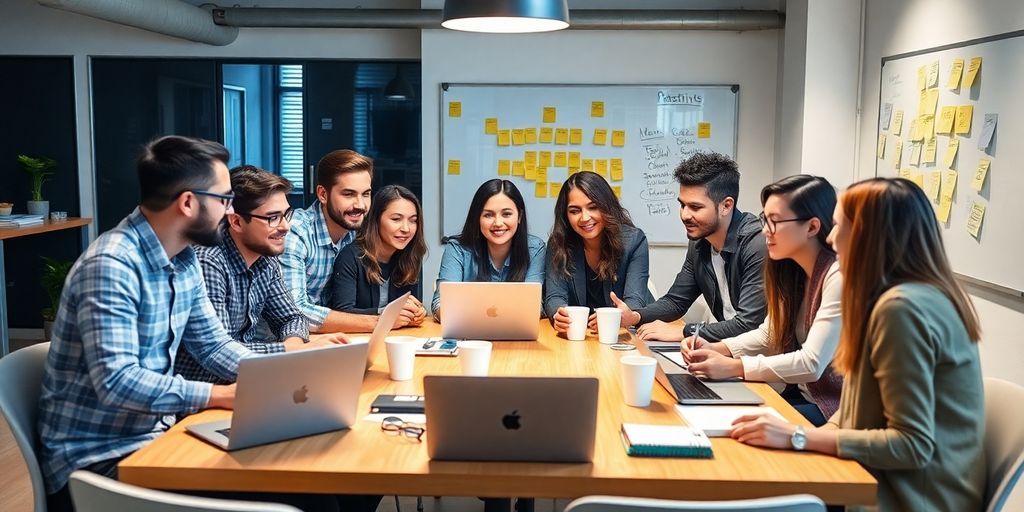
[494, 244]
[798, 338]
[384, 261]
[913, 406]
[594, 251]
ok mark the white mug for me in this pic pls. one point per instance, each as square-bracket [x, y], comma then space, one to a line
[579, 316]
[637, 379]
[401, 356]
[475, 356]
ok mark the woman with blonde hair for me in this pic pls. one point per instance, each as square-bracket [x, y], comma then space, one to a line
[912, 406]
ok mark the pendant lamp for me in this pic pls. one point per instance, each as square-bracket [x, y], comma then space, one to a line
[506, 16]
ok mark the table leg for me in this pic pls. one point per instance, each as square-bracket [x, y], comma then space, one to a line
[4, 340]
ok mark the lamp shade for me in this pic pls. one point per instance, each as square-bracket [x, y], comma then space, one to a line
[506, 16]
[398, 88]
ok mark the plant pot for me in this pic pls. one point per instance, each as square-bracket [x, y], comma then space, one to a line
[39, 208]
[47, 330]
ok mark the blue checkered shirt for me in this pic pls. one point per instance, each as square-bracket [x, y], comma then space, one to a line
[108, 386]
[242, 296]
[308, 262]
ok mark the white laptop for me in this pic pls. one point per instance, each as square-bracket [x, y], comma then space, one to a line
[385, 322]
[537, 419]
[291, 394]
[490, 311]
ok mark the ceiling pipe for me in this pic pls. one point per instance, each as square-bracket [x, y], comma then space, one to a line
[579, 19]
[169, 17]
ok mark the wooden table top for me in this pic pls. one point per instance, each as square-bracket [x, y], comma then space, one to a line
[364, 460]
[46, 226]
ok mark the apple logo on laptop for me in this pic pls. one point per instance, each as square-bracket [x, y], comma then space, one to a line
[511, 421]
[492, 311]
[300, 395]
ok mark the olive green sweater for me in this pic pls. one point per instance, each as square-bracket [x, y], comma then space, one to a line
[913, 410]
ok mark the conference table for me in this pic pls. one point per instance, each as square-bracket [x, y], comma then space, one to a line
[366, 460]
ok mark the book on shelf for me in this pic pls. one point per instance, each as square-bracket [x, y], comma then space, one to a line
[20, 220]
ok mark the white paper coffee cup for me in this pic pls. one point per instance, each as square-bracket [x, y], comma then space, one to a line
[579, 316]
[637, 379]
[608, 322]
[475, 357]
[401, 356]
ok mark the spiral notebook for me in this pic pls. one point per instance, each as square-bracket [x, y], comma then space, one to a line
[665, 441]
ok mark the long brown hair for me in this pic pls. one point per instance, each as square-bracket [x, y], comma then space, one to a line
[564, 239]
[894, 239]
[407, 261]
[809, 197]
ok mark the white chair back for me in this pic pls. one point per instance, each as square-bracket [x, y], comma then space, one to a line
[1004, 441]
[21, 379]
[793, 503]
[94, 493]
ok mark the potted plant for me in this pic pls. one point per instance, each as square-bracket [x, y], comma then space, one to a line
[40, 169]
[55, 272]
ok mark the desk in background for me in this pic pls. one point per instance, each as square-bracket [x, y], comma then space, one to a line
[5, 233]
[364, 460]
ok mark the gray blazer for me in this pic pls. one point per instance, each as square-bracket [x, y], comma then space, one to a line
[630, 285]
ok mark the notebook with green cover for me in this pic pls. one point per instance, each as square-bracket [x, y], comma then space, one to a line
[665, 441]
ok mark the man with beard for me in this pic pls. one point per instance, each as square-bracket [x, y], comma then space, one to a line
[723, 262]
[130, 301]
[243, 279]
[320, 232]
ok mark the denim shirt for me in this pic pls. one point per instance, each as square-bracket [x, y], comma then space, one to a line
[458, 264]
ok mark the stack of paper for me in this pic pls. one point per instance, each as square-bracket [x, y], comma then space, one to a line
[665, 441]
[716, 420]
[20, 220]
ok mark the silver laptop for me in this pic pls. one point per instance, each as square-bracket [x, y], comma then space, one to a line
[288, 395]
[490, 311]
[537, 419]
[385, 322]
[688, 389]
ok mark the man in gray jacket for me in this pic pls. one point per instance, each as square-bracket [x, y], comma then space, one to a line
[723, 262]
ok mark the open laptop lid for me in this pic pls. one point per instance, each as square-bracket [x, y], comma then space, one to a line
[494, 311]
[731, 393]
[385, 322]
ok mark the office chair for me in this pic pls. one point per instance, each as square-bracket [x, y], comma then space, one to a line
[21, 378]
[95, 493]
[793, 503]
[1004, 441]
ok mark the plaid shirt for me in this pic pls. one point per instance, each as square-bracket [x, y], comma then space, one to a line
[108, 386]
[308, 262]
[241, 296]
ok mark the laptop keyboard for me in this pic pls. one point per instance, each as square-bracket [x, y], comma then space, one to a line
[225, 431]
[688, 387]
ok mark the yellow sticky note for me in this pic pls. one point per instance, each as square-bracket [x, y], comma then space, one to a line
[980, 173]
[454, 109]
[504, 168]
[454, 167]
[945, 205]
[904, 173]
[544, 158]
[976, 218]
[491, 126]
[549, 114]
[601, 167]
[573, 170]
[561, 136]
[617, 190]
[934, 183]
[964, 115]
[915, 134]
[540, 189]
[504, 137]
[556, 188]
[918, 180]
[528, 170]
[618, 138]
[519, 168]
[897, 122]
[531, 135]
[928, 101]
[972, 72]
[946, 118]
[588, 164]
[932, 79]
[915, 154]
[574, 159]
[560, 159]
[951, 149]
[881, 146]
[600, 136]
[929, 151]
[530, 157]
[542, 174]
[922, 78]
[955, 72]
[576, 136]
[948, 183]
[616, 166]
[596, 109]
[926, 126]
[897, 153]
[546, 135]
[518, 137]
[703, 130]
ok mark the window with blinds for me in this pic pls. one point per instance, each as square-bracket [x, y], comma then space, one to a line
[290, 124]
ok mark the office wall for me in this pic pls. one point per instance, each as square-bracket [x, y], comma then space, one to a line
[897, 27]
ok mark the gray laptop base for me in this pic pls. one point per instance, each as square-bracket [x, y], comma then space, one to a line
[730, 392]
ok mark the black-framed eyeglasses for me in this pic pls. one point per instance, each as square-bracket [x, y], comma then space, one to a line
[773, 224]
[225, 199]
[398, 426]
[273, 220]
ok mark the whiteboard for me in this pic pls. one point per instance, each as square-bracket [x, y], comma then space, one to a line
[661, 126]
[993, 257]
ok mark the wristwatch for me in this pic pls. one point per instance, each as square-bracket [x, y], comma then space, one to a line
[799, 438]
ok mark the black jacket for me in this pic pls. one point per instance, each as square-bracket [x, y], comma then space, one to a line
[351, 288]
[744, 254]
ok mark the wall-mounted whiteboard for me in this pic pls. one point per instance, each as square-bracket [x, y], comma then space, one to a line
[991, 254]
[634, 135]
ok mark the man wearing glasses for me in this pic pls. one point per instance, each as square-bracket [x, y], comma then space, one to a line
[724, 261]
[243, 278]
